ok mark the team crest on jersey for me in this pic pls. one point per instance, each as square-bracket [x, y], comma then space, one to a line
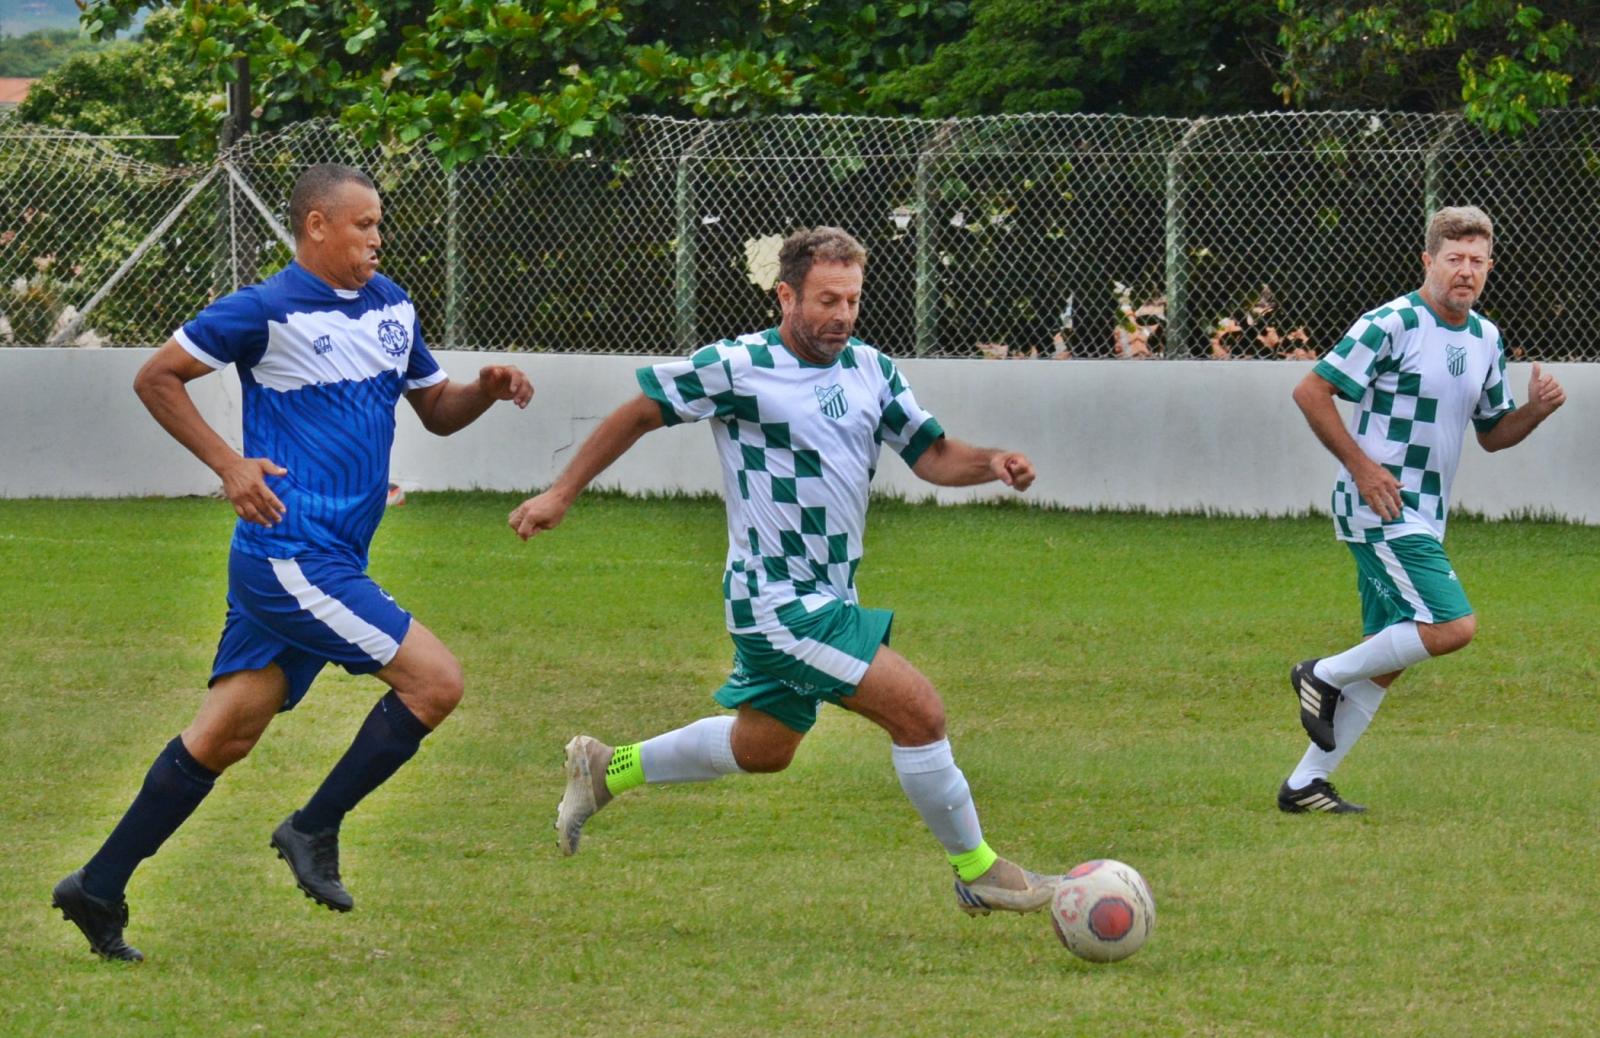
[1457, 358]
[831, 400]
[321, 344]
[393, 338]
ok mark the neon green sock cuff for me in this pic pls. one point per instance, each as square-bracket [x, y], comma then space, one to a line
[969, 865]
[625, 770]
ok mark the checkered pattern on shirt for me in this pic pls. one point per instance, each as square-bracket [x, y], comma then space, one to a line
[796, 464]
[1396, 364]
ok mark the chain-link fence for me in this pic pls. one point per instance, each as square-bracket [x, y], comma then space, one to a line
[1033, 236]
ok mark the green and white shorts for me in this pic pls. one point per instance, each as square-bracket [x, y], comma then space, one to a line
[821, 657]
[1408, 578]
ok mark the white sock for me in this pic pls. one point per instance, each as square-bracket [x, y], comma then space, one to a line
[697, 752]
[1355, 711]
[940, 794]
[1396, 647]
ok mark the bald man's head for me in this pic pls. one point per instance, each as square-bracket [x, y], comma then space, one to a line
[318, 188]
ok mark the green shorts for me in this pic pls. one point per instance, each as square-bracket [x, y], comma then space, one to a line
[1408, 578]
[820, 658]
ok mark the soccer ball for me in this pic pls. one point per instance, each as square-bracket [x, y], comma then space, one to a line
[1103, 911]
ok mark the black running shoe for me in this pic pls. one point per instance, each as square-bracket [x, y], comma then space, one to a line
[101, 921]
[1318, 700]
[1316, 795]
[314, 860]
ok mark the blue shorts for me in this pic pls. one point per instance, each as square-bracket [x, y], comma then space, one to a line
[304, 613]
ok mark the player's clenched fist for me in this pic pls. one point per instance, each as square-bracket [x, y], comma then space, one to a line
[537, 514]
[1014, 470]
[503, 382]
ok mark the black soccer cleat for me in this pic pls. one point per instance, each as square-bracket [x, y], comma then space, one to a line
[1316, 795]
[314, 860]
[101, 921]
[1318, 700]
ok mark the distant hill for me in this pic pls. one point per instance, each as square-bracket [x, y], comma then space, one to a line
[20, 17]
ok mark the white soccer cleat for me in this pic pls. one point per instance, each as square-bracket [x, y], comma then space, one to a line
[984, 895]
[586, 790]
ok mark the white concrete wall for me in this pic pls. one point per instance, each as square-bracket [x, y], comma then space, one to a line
[1157, 435]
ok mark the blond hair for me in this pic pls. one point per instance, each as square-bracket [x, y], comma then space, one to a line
[808, 245]
[1455, 223]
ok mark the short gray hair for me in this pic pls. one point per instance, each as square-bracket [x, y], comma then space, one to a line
[810, 244]
[314, 187]
[1455, 223]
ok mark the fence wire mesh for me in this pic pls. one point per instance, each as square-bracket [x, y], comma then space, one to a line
[1021, 236]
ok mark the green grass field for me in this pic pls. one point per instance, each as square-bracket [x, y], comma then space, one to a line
[1116, 687]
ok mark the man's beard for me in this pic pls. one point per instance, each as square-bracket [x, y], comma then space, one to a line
[812, 340]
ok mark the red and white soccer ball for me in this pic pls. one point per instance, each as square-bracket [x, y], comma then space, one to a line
[1103, 911]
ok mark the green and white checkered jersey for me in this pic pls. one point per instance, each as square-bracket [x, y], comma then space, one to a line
[1416, 382]
[799, 444]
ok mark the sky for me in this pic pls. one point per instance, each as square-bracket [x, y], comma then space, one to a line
[20, 17]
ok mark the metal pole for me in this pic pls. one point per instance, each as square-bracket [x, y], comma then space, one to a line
[1431, 173]
[927, 288]
[686, 281]
[1177, 273]
[234, 126]
[452, 260]
[67, 334]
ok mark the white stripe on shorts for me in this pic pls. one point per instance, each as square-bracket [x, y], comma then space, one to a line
[334, 613]
[815, 654]
[1402, 580]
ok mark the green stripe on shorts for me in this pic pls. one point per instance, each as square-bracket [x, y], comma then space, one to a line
[1408, 578]
[816, 658]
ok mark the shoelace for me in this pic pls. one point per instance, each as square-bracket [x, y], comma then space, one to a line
[325, 854]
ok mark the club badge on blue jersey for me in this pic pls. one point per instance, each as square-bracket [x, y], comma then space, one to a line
[393, 337]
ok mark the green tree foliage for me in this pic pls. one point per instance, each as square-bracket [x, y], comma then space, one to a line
[548, 75]
[32, 55]
[1147, 57]
[1499, 60]
[144, 86]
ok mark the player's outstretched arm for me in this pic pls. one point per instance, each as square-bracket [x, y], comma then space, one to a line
[446, 407]
[610, 441]
[1544, 396]
[161, 385]
[1378, 486]
[954, 463]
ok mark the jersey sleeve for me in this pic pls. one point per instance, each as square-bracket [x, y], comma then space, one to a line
[1351, 365]
[422, 370]
[1495, 402]
[695, 388]
[231, 330]
[903, 424]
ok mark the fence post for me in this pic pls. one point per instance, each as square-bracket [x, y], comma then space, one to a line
[452, 259]
[1177, 272]
[234, 127]
[927, 295]
[1430, 167]
[686, 286]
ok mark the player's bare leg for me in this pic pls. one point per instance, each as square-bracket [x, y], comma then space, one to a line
[900, 700]
[426, 682]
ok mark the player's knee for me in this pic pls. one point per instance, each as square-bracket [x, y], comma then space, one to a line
[220, 749]
[765, 760]
[1440, 639]
[447, 686]
[923, 722]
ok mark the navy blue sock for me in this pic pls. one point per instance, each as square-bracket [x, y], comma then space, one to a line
[388, 738]
[173, 788]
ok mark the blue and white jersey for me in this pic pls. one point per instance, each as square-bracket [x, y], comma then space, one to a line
[322, 369]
